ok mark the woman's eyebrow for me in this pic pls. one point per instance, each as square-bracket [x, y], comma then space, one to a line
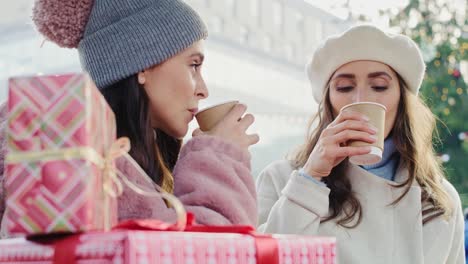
[200, 55]
[345, 75]
[378, 74]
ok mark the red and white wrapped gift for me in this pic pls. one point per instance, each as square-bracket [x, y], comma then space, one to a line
[201, 244]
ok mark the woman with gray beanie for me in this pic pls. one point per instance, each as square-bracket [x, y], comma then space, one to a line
[146, 57]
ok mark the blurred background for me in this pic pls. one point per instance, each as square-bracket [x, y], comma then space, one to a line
[257, 50]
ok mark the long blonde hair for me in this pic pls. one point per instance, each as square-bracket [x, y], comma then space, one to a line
[413, 133]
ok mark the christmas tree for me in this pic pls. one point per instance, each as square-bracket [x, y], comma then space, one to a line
[441, 30]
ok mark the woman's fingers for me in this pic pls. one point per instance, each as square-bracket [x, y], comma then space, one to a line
[352, 151]
[236, 113]
[352, 125]
[332, 148]
[234, 125]
[352, 135]
[246, 121]
[253, 139]
[349, 115]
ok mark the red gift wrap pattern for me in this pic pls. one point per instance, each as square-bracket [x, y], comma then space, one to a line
[172, 247]
[59, 127]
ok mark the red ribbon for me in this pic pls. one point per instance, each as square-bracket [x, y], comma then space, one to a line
[64, 250]
[266, 246]
[64, 244]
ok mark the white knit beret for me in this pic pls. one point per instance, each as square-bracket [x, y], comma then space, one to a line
[366, 42]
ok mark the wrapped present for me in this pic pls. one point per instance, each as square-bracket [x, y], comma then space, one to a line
[60, 130]
[123, 246]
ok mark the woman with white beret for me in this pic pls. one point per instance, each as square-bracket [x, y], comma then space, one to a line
[400, 210]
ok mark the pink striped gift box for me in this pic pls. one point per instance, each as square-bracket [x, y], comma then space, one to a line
[52, 184]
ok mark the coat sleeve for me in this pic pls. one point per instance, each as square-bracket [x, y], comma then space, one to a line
[211, 178]
[457, 249]
[295, 209]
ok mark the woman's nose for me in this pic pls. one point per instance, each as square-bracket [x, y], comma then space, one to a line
[360, 96]
[201, 90]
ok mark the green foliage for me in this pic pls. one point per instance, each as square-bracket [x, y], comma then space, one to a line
[441, 31]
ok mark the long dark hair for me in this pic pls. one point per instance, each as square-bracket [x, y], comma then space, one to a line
[155, 151]
[415, 124]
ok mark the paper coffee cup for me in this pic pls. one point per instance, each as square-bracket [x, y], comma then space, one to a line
[376, 114]
[210, 116]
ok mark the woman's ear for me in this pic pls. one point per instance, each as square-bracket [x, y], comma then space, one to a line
[141, 78]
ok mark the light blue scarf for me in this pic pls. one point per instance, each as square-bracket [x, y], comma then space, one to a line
[387, 167]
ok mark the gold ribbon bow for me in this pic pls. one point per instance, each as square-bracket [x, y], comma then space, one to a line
[112, 177]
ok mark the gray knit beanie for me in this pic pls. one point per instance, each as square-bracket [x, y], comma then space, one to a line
[118, 38]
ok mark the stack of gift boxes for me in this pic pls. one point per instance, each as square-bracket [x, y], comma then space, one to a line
[60, 130]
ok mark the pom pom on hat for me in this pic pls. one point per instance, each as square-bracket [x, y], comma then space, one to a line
[366, 42]
[62, 21]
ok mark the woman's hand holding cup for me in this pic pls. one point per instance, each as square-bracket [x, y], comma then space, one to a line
[332, 146]
[228, 121]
